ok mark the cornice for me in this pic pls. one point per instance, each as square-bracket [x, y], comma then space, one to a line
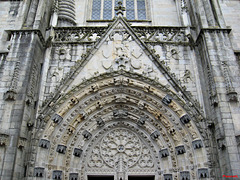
[211, 30]
[29, 31]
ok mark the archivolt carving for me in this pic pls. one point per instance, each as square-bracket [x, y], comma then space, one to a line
[100, 99]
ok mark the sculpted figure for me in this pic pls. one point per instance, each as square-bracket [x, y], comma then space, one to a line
[65, 137]
[77, 120]
[104, 83]
[175, 136]
[50, 129]
[192, 131]
[165, 123]
[176, 108]
[71, 103]
[137, 84]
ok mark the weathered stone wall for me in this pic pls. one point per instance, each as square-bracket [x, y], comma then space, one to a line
[12, 16]
[231, 14]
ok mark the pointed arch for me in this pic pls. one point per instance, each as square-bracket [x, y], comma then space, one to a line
[164, 122]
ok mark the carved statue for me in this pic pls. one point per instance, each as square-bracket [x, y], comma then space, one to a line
[192, 131]
[50, 129]
[176, 108]
[71, 103]
[186, 76]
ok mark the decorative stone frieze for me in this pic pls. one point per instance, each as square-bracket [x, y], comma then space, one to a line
[77, 34]
[161, 34]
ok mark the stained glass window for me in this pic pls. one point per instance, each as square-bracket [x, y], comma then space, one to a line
[96, 9]
[104, 9]
[107, 9]
[130, 14]
[141, 9]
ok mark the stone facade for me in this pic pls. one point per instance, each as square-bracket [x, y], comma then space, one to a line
[149, 88]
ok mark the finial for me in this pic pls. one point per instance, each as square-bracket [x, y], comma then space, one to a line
[119, 9]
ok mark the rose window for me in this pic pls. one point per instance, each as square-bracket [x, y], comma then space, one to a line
[121, 143]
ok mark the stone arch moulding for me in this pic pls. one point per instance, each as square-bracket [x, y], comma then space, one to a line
[73, 131]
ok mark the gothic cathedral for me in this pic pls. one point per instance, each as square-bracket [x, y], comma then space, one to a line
[119, 89]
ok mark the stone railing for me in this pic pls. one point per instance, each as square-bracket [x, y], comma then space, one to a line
[78, 34]
[146, 34]
[160, 34]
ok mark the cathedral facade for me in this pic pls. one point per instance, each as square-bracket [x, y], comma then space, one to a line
[119, 89]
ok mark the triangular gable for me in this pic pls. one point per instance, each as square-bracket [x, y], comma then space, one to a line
[120, 48]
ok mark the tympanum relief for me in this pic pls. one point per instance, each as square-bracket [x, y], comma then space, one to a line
[120, 149]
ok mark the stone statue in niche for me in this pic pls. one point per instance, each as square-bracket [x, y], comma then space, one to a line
[172, 52]
[56, 74]
[175, 54]
[64, 53]
[186, 76]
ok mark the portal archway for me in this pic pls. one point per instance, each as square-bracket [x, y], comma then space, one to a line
[82, 133]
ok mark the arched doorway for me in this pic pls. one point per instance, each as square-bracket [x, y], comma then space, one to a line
[122, 127]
